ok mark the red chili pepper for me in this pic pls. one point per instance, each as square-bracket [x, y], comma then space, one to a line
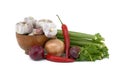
[66, 37]
[58, 59]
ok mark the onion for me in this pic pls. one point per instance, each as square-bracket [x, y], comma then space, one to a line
[54, 47]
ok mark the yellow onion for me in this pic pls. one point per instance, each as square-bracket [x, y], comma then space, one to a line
[54, 47]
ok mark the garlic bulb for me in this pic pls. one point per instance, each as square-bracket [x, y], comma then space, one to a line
[23, 28]
[49, 28]
[41, 23]
[30, 20]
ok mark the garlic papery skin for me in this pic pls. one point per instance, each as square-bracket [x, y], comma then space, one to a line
[39, 24]
[30, 20]
[24, 28]
[42, 22]
[50, 30]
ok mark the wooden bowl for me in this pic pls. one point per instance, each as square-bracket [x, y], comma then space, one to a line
[26, 42]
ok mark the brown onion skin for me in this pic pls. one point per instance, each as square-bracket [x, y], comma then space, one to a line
[55, 47]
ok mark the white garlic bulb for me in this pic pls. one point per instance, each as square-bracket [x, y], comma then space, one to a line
[49, 28]
[41, 23]
[30, 20]
[24, 28]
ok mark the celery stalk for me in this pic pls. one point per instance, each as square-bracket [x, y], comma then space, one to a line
[97, 37]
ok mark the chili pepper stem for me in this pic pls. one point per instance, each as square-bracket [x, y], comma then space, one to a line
[59, 19]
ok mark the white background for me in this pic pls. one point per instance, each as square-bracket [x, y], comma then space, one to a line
[89, 16]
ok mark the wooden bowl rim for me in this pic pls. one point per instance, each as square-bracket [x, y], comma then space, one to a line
[30, 35]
